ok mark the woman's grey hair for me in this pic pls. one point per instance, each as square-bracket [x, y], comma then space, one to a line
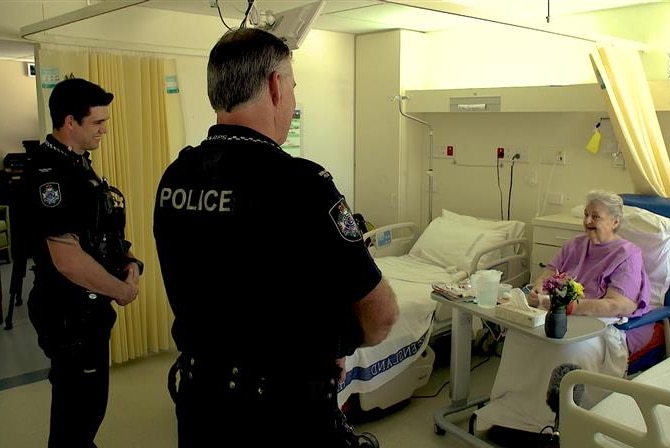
[240, 63]
[612, 201]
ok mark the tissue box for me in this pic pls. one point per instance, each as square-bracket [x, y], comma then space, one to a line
[528, 317]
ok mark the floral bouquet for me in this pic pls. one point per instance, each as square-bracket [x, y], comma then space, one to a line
[562, 290]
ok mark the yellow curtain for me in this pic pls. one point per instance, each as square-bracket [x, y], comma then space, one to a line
[132, 156]
[631, 109]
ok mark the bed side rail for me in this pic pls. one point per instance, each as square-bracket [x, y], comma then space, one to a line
[583, 428]
[392, 240]
[515, 268]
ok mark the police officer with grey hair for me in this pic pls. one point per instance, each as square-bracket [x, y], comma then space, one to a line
[264, 267]
[82, 261]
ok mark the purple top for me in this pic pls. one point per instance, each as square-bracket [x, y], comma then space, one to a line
[617, 264]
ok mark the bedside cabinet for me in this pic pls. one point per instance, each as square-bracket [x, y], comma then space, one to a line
[549, 234]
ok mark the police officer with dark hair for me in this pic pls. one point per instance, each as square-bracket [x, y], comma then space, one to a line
[264, 267]
[82, 261]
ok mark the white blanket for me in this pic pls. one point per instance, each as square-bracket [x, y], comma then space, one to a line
[411, 279]
[519, 401]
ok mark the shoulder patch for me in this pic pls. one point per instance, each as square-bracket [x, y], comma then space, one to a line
[345, 222]
[50, 194]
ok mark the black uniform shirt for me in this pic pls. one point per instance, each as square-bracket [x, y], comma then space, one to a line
[62, 199]
[259, 252]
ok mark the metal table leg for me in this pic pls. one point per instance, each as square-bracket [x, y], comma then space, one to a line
[461, 330]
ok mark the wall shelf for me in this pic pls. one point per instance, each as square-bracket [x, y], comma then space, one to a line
[567, 98]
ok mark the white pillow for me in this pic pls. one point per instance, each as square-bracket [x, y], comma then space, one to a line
[651, 232]
[445, 244]
[488, 239]
[513, 229]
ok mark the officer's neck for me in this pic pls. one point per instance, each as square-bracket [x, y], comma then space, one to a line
[65, 140]
[254, 116]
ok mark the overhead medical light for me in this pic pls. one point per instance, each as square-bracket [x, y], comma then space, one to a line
[292, 25]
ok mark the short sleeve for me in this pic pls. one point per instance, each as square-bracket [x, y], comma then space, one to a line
[340, 241]
[53, 199]
[631, 280]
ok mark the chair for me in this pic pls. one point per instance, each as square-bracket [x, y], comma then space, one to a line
[657, 351]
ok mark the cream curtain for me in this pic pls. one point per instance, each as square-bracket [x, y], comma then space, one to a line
[132, 156]
[631, 109]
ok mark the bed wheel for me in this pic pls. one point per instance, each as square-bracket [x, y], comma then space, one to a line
[367, 440]
[439, 431]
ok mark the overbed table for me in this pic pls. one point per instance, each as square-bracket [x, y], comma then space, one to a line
[579, 329]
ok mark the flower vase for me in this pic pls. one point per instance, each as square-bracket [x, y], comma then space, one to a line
[556, 323]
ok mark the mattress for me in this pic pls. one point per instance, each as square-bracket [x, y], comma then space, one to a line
[411, 278]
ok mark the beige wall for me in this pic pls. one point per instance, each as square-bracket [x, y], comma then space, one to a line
[378, 126]
[18, 108]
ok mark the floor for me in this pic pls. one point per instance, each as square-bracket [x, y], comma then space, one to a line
[141, 414]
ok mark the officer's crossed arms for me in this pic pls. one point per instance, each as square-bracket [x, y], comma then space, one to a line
[82, 269]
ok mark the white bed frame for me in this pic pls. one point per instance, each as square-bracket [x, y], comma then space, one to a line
[637, 414]
[397, 240]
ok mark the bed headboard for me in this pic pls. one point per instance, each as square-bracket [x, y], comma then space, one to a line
[655, 204]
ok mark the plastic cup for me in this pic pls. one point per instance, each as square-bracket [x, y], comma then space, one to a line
[487, 292]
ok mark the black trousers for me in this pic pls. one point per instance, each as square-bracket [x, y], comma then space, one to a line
[209, 408]
[76, 339]
[79, 393]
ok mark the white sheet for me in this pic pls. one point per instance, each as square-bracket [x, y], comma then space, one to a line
[411, 278]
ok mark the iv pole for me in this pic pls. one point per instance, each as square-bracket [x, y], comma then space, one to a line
[400, 99]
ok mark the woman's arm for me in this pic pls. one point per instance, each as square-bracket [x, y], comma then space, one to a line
[612, 304]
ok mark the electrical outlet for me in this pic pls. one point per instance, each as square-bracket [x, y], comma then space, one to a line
[517, 155]
[561, 157]
[554, 157]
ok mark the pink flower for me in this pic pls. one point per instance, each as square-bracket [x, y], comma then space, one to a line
[562, 290]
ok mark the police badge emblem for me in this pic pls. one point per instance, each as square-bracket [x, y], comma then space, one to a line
[345, 222]
[50, 194]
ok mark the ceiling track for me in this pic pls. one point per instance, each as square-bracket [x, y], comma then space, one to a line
[78, 15]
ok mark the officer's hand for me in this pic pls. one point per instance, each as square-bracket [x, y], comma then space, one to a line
[133, 272]
[128, 294]
[340, 362]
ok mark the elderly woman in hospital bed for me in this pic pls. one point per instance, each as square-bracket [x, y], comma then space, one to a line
[612, 271]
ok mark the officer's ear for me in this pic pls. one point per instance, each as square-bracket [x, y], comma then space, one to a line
[274, 83]
[69, 121]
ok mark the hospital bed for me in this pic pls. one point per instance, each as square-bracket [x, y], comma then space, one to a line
[636, 414]
[452, 247]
